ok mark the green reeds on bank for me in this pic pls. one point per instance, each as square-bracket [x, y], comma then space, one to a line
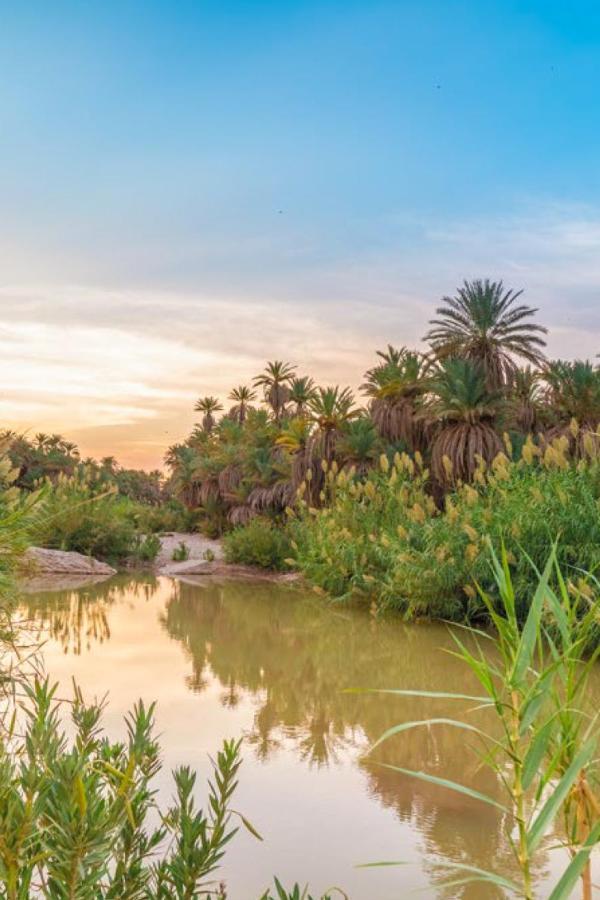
[543, 745]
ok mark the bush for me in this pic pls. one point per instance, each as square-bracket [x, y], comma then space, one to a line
[385, 539]
[147, 548]
[77, 514]
[75, 816]
[168, 516]
[181, 553]
[260, 543]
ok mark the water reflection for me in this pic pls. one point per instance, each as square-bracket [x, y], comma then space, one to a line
[290, 658]
[78, 617]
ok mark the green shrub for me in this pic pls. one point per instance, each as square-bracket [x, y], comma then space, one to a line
[147, 548]
[385, 539]
[260, 543]
[181, 553]
[79, 815]
[80, 513]
[168, 516]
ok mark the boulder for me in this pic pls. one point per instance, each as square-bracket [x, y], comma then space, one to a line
[219, 569]
[39, 561]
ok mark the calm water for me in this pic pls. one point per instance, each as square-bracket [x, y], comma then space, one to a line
[269, 663]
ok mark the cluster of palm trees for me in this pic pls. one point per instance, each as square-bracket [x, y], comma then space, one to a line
[484, 373]
[45, 457]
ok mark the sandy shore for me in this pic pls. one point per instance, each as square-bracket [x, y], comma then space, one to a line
[198, 546]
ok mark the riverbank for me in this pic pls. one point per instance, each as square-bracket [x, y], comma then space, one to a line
[43, 568]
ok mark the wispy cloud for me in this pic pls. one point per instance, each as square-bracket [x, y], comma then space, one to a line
[125, 363]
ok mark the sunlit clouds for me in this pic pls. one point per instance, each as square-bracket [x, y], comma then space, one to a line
[118, 367]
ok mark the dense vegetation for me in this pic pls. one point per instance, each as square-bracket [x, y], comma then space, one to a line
[384, 537]
[394, 498]
[96, 508]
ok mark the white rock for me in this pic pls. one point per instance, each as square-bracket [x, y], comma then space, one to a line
[39, 561]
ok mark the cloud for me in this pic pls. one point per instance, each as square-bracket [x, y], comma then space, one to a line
[116, 360]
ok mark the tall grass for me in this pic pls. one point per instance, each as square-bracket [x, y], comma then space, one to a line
[533, 681]
[384, 538]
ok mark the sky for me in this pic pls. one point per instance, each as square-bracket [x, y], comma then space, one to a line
[191, 188]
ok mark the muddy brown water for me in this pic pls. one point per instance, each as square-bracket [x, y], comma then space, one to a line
[272, 663]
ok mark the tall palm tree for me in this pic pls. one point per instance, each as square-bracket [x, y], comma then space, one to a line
[275, 381]
[483, 325]
[302, 390]
[395, 388]
[242, 397]
[208, 406]
[466, 411]
[330, 409]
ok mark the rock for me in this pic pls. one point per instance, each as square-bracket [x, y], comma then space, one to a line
[226, 570]
[39, 561]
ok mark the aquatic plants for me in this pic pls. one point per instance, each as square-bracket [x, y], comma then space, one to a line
[533, 676]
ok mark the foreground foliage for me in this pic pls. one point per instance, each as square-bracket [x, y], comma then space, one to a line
[533, 677]
[75, 813]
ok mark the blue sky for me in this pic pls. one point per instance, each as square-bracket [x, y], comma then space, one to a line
[200, 185]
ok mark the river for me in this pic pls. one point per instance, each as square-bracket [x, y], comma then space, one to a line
[272, 663]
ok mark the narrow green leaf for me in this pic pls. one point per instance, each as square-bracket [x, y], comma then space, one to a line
[248, 826]
[536, 752]
[568, 879]
[531, 628]
[374, 865]
[442, 695]
[484, 875]
[407, 726]
[444, 782]
[555, 800]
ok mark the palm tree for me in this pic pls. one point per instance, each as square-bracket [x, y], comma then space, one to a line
[302, 390]
[295, 439]
[208, 406]
[392, 355]
[574, 393]
[330, 409]
[466, 411]
[275, 381]
[242, 397]
[395, 387]
[525, 399]
[359, 445]
[182, 461]
[483, 325]
[574, 390]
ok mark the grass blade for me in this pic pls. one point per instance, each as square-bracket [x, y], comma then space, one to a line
[406, 726]
[550, 808]
[444, 782]
[568, 880]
